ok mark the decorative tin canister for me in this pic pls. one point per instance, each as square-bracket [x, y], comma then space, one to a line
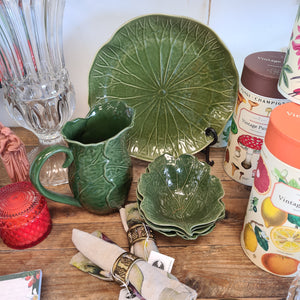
[258, 96]
[289, 80]
[271, 234]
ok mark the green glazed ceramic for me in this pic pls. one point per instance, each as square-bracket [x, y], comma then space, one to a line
[172, 231]
[178, 76]
[180, 196]
[99, 165]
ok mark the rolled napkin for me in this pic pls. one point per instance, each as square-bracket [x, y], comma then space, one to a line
[140, 236]
[84, 264]
[126, 268]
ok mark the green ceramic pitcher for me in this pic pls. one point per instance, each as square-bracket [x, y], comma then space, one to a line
[99, 165]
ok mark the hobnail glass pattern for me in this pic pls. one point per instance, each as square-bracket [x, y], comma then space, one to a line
[24, 216]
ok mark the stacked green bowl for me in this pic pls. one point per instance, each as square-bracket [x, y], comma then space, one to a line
[179, 197]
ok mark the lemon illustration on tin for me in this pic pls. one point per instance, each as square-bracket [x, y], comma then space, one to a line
[272, 215]
[250, 238]
[286, 239]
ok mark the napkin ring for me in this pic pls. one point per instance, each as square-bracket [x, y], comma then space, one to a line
[139, 232]
[122, 267]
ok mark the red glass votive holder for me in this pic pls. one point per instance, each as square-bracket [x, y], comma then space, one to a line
[24, 216]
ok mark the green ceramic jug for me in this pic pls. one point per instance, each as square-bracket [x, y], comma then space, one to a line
[99, 165]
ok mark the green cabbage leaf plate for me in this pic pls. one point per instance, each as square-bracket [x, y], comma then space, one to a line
[178, 76]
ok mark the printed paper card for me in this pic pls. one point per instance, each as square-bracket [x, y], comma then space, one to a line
[21, 286]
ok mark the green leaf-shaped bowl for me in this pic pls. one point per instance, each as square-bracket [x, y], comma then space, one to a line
[177, 75]
[179, 195]
[171, 228]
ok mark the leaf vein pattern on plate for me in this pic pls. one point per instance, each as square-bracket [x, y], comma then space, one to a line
[138, 62]
[127, 71]
[182, 134]
[183, 56]
[148, 109]
[183, 115]
[172, 45]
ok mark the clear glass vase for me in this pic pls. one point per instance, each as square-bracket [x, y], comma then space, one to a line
[36, 85]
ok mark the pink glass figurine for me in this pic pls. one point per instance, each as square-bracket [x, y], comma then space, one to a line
[13, 155]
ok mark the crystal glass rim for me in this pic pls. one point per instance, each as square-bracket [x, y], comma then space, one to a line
[30, 39]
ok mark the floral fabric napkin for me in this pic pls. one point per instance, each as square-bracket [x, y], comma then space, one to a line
[150, 282]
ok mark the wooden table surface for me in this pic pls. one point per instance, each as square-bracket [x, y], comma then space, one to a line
[215, 265]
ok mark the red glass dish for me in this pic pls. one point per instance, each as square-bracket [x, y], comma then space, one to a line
[24, 216]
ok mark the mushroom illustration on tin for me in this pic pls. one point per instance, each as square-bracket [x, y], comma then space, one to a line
[252, 104]
[237, 152]
[234, 168]
[239, 100]
[268, 110]
[227, 156]
[252, 145]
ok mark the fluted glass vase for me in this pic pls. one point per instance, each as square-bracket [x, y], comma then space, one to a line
[36, 85]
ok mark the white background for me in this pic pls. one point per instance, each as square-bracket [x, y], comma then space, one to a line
[244, 26]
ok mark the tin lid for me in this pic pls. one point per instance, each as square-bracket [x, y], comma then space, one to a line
[261, 73]
[283, 134]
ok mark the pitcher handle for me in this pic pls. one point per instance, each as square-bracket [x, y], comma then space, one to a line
[37, 166]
